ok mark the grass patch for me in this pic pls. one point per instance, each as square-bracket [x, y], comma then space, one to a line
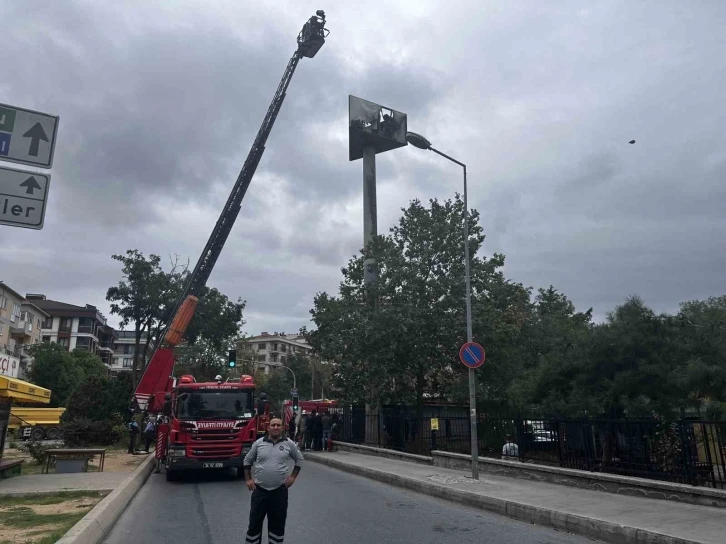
[34, 519]
[62, 523]
[40, 499]
[23, 517]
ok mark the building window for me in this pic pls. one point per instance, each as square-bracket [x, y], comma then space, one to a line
[128, 349]
[273, 347]
[128, 362]
[46, 339]
[47, 323]
[2, 328]
[16, 312]
[65, 324]
[85, 325]
[273, 357]
[261, 358]
[283, 348]
[65, 342]
[83, 342]
[283, 359]
[261, 346]
[3, 302]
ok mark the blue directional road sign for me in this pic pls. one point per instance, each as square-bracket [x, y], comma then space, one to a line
[293, 393]
[472, 355]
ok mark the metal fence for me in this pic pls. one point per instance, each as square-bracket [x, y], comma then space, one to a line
[684, 451]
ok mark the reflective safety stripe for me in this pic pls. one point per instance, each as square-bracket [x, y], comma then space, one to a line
[275, 539]
[254, 539]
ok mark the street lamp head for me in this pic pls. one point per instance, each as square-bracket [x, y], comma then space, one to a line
[417, 140]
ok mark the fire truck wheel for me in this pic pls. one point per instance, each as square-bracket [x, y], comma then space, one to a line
[170, 475]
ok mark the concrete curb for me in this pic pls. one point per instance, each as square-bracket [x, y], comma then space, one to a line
[581, 525]
[95, 525]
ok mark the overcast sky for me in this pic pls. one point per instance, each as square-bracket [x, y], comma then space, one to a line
[160, 101]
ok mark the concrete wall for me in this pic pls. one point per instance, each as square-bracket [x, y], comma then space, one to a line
[623, 485]
[380, 452]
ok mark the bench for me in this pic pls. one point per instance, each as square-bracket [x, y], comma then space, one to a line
[73, 456]
[10, 468]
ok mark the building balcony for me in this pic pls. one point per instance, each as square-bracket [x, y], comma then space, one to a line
[21, 328]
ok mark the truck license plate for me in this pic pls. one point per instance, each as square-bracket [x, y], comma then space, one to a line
[213, 465]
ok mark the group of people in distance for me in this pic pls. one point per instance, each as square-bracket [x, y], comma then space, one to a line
[314, 431]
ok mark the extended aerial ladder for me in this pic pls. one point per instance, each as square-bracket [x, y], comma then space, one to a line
[157, 375]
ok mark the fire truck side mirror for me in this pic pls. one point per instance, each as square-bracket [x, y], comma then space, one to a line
[261, 403]
[166, 410]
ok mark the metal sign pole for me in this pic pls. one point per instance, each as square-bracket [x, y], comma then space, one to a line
[469, 338]
[370, 210]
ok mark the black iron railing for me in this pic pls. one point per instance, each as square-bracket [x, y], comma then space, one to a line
[685, 451]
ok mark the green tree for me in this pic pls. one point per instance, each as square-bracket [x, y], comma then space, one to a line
[146, 296]
[407, 343]
[203, 360]
[89, 363]
[98, 399]
[61, 372]
[701, 326]
[631, 365]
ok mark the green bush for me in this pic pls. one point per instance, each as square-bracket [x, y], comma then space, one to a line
[82, 432]
[37, 450]
[98, 399]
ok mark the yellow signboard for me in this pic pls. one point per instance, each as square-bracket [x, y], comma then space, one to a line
[23, 391]
[434, 424]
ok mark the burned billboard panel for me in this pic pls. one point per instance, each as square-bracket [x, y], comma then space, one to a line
[373, 124]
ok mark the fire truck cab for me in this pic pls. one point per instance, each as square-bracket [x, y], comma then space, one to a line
[210, 425]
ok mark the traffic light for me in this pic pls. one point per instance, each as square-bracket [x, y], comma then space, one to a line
[295, 403]
[232, 358]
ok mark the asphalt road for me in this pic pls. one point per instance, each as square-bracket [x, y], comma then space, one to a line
[325, 505]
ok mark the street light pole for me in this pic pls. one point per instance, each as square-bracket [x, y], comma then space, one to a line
[422, 143]
[294, 379]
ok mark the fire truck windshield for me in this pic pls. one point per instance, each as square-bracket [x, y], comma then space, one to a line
[215, 404]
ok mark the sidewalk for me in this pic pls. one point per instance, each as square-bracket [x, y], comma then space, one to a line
[603, 516]
[54, 483]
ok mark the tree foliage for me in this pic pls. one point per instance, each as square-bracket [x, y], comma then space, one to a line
[60, 371]
[99, 399]
[397, 341]
[405, 344]
[145, 299]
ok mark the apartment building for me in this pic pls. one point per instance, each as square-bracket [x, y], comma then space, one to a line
[20, 328]
[272, 350]
[75, 327]
[123, 351]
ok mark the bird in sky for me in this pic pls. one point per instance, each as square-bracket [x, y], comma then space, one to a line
[631, 142]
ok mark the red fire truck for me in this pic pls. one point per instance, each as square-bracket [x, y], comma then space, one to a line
[321, 405]
[209, 425]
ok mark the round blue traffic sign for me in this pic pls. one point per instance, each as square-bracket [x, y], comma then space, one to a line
[472, 355]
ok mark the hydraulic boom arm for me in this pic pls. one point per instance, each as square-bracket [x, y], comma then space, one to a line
[310, 40]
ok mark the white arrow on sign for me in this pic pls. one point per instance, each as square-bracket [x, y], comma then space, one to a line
[27, 136]
[23, 198]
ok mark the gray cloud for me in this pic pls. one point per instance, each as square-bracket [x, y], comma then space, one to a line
[159, 104]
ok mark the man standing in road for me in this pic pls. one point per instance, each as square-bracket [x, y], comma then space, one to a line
[269, 458]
